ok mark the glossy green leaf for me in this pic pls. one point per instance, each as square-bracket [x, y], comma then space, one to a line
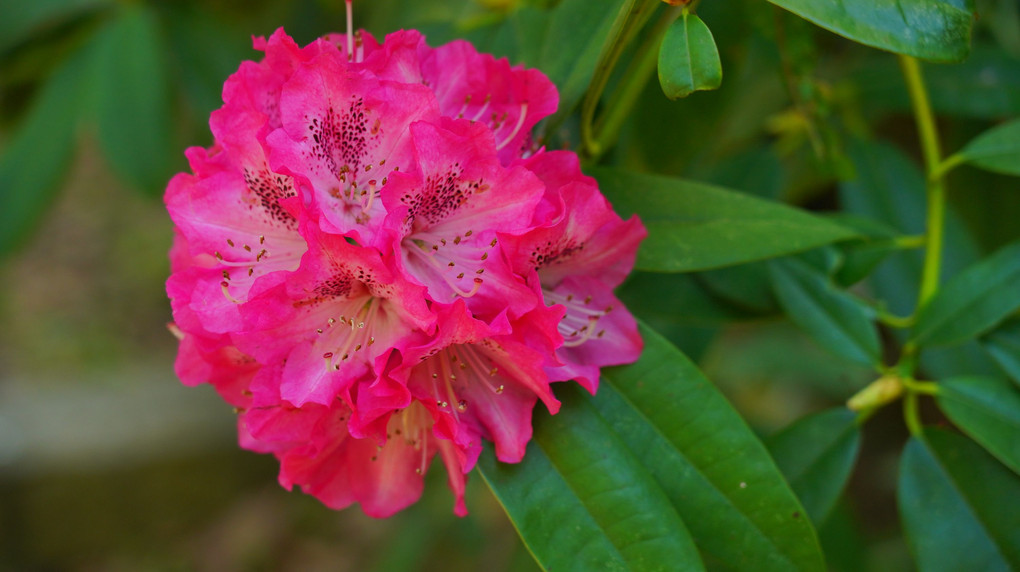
[987, 409]
[816, 454]
[35, 160]
[715, 471]
[746, 286]
[832, 317]
[134, 100]
[997, 149]
[937, 30]
[973, 301]
[677, 298]
[958, 505]
[1003, 344]
[688, 58]
[693, 226]
[581, 501]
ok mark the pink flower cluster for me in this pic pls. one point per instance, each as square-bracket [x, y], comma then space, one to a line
[374, 265]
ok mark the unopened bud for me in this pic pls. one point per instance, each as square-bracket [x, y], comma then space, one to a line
[883, 390]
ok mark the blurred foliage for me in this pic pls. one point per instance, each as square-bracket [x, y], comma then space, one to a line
[98, 98]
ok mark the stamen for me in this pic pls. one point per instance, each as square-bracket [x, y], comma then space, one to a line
[485, 107]
[350, 30]
[588, 330]
[225, 286]
[463, 108]
[517, 128]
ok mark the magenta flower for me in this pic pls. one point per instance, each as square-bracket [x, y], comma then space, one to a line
[374, 264]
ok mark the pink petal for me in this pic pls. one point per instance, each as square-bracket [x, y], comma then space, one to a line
[478, 87]
[334, 321]
[598, 330]
[343, 134]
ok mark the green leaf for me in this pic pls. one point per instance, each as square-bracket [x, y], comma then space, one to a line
[816, 454]
[746, 286]
[987, 409]
[693, 226]
[688, 58]
[835, 319]
[715, 471]
[37, 157]
[937, 30]
[581, 501]
[688, 302]
[1003, 344]
[958, 505]
[134, 100]
[758, 171]
[997, 149]
[891, 188]
[973, 301]
[863, 254]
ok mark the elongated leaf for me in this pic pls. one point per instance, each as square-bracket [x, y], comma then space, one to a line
[712, 467]
[134, 104]
[34, 162]
[693, 226]
[746, 286]
[1003, 345]
[987, 409]
[937, 30]
[581, 501]
[688, 58]
[997, 149]
[973, 301]
[958, 505]
[832, 317]
[816, 454]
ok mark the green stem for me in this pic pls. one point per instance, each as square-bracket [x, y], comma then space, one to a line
[892, 320]
[949, 164]
[912, 415]
[633, 14]
[909, 242]
[936, 189]
[607, 128]
[921, 387]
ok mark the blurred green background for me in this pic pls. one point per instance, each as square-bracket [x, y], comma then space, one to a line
[108, 463]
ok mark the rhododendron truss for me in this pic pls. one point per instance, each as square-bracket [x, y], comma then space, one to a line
[375, 263]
